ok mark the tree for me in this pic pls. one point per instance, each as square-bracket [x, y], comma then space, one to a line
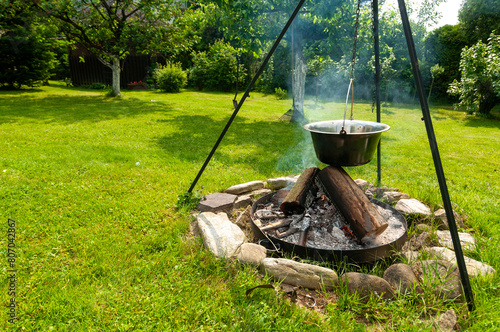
[113, 29]
[443, 46]
[479, 86]
[436, 71]
[25, 46]
[479, 18]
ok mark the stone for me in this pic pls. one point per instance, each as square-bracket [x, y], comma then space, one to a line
[441, 276]
[369, 194]
[413, 207]
[423, 228]
[363, 184]
[466, 240]
[365, 285]
[440, 215]
[244, 222]
[417, 242]
[300, 274]
[394, 196]
[446, 322]
[259, 193]
[401, 277]
[251, 253]
[474, 268]
[245, 187]
[280, 183]
[219, 234]
[217, 202]
[411, 255]
[242, 202]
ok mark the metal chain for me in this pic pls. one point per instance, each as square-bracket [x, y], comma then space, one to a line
[351, 75]
[355, 39]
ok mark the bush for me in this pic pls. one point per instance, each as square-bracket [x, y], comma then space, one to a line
[170, 78]
[217, 69]
[479, 85]
[280, 93]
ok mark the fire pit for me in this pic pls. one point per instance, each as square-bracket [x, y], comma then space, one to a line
[353, 147]
[321, 231]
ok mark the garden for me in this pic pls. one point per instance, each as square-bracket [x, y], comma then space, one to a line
[96, 172]
[93, 182]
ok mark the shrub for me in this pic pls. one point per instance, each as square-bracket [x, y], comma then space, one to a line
[479, 85]
[280, 93]
[170, 78]
[216, 69]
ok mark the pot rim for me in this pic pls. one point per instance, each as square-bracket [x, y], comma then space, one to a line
[385, 127]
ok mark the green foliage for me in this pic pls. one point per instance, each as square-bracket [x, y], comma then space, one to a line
[25, 47]
[479, 86]
[280, 93]
[112, 31]
[95, 86]
[188, 201]
[479, 18]
[216, 69]
[170, 78]
[443, 46]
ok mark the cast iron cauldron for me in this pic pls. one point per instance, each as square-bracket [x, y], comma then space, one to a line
[353, 148]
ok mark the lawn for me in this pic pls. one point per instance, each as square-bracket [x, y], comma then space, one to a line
[92, 183]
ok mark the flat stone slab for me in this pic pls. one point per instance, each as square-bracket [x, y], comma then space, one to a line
[245, 187]
[466, 240]
[220, 235]
[474, 268]
[365, 285]
[300, 274]
[217, 202]
[251, 253]
[281, 182]
[413, 206]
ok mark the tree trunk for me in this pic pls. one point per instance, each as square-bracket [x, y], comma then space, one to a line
[299, 84]
[430, 90]
[115, 68]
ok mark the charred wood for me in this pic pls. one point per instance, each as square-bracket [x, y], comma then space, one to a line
[302, 193]
[364, 219]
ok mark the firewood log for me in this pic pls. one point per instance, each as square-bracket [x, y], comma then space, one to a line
[302, 193]
[363, 218]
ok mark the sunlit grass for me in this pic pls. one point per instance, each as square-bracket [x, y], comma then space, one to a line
[92, 183]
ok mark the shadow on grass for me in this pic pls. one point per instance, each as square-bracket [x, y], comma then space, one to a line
[478, 122]
[72, 109]
[245, 143]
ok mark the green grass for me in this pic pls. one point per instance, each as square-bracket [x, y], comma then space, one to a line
[92, 183]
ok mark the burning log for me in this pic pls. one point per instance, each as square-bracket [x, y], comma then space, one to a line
[302, 193]
[364, 219]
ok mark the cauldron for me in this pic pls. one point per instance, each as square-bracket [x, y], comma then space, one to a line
[353, 148]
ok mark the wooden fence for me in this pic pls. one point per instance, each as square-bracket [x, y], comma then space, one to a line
[134, 68]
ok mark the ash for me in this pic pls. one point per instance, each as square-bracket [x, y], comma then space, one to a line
[326, 227]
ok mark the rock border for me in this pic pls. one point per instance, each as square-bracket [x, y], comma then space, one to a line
[230, 239]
